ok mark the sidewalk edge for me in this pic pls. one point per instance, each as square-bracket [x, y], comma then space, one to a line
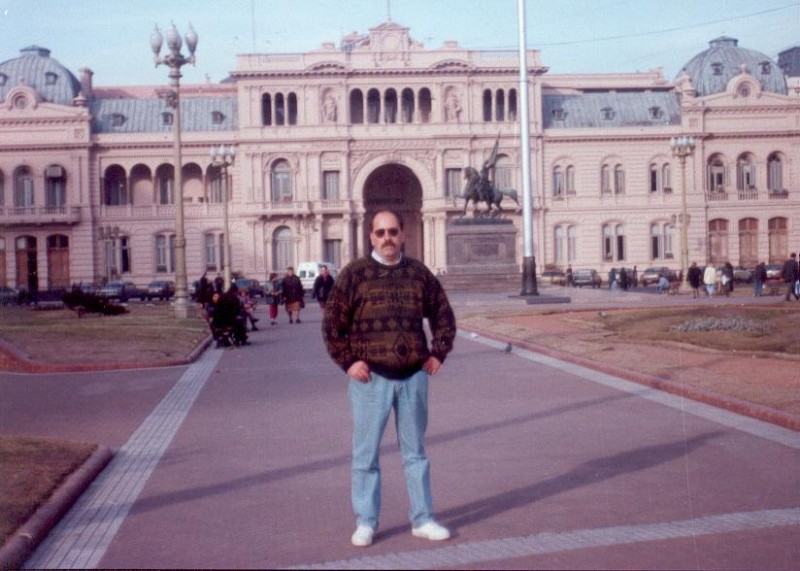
[16, 550]
[753, 410]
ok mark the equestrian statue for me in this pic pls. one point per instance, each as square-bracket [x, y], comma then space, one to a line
[479, 187]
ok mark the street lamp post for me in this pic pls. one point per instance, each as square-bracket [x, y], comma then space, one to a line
[174, 60]
[223, 158]
[682, 147]
[108, 236]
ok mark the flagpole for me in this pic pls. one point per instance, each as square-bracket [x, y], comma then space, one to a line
[528, 260]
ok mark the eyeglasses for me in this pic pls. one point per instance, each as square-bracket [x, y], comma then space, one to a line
[381, 232]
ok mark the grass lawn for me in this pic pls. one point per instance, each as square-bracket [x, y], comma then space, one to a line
[30, 470]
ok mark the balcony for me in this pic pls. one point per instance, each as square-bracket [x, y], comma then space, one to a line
[779, 194]
[718, 195]
[39, 215]
[288, 207]
[334, 205]
[750, 194]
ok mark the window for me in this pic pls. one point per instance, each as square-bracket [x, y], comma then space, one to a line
[55, 187]
[655, 178]
[166, 118]
[215, 188]
[2, 193]
[356, 107]
[214, 251]
[280, 109]
[570, 180]
[3, 79]
[774, 173]
[745, 173]
[778, 229]
[718, 241]
[165, 189]
[50, 78]
[766, 68]
[425, 105]
[717, 174]
[332, 252]
[373, 106]
[558, 245]
[605, 180]
[282, 249]
[330, 185]
[408, 105]
[452, 183]
[390, 106]
[512, 104]
[607, 113]
[559, 114]
[619, 180]
[613, 242]
[748, 242]
[500, 106]
[125, 254]
[558, 182]
[23, 187]
[661, 247]
[115, 188]
[3, 277]
[165, 253]
[266, 109]
[656, 112]
[281, 182]
[565, 244]
[487, 105]
[504, 173]
[666, 177]
[117, 119]
[217, 117]
[716, 68]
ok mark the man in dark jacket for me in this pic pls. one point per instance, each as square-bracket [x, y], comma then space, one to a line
[322, 286]
[293, 295]
[373, 329]
[790, 274]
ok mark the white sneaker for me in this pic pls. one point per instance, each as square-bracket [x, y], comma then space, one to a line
[362, 536]
[432, 531]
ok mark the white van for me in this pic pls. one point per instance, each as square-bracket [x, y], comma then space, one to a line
[308, 272]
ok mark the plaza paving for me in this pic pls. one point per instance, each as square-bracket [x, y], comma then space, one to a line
[242, 460]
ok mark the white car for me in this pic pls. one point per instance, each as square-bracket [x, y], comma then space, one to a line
[308, 272]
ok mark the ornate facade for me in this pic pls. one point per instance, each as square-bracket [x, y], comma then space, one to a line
[326, 137]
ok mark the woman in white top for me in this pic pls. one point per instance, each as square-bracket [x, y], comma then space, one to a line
[710, 279]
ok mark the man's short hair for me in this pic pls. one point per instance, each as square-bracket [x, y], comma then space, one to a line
[390, 211]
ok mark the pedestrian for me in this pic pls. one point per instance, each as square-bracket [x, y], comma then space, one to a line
[273, 289]
[373, 329]
[759, 277]
[569, 276]
[623, 279]
[293, 295]
[322, 286]
[612, 278]
[248, 307]
[695, 279]
[662, 285]
[790, 274]
[710, 279]
[635, 277]
[726, 279]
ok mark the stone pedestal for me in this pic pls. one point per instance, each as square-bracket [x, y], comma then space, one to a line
[481, 246]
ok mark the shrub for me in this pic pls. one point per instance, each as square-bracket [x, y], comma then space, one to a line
[83, 302]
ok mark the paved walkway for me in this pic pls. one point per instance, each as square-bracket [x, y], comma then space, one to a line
[242, 460]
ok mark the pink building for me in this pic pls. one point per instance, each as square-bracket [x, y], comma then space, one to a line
[326, 137]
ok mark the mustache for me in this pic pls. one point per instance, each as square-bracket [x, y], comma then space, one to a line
[388, 243]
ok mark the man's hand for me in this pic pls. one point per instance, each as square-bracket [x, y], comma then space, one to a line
[432, 365]
[359, 371]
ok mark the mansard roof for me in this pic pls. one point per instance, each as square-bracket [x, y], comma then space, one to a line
[712, 69]
[147, 115]
[36, 69]
[610, 110]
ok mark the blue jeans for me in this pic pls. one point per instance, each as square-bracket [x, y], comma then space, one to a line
[371, 404]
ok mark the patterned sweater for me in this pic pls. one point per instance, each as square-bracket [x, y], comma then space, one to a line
[375, 313]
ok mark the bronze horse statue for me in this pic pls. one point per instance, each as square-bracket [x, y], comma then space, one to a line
[480, 189]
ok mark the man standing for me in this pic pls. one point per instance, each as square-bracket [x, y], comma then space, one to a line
[790, 274]
[373, 329]
[322, 286]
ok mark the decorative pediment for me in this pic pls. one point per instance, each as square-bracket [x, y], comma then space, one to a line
[327, 66]
[450, 65]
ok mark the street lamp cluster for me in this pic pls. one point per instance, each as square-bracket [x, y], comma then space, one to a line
[223, 158]
[681, 148]
[174, 60]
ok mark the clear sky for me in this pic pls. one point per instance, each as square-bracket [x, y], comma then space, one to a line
[574, 36]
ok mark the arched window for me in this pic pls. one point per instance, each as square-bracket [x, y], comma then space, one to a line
[165, 184]
[165, 253]
[775, 173]
[282, 249]
[558, 182]
[565, 241]
[655, 178]
[280, 109]
[619, 180]
[356, 107]
[570, 180]
[390, 106]
[500, 106]
[487, 105]
[748, 242]
[23, 187]
[55, 186]
[613, 242]
[666, 178]
[115, 186]
[512, 104]
[717, 174]
[266, 109]
[745, 173]
[292, 108]
[778, 229]
[718, 241]
[425, 105]
[281, 181]
[605, 179]
[215, 184]
[373, 106]
[407, 112]
[661, 247]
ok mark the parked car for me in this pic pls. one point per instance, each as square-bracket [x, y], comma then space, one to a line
[554, 277]
[582, 278]
[742, 274]
[650, 275]
[121, 290]
[252, 286]
[774, 272]
[161, 289]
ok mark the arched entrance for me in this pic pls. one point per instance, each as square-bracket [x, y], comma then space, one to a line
[396, 187]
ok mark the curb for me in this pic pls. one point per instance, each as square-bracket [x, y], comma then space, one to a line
[17, 548]
[738, 406]
[22, 363]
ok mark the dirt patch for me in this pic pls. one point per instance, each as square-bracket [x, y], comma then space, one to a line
[747, 353]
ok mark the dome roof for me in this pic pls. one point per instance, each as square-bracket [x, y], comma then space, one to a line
[36, 69]
[711, 70]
